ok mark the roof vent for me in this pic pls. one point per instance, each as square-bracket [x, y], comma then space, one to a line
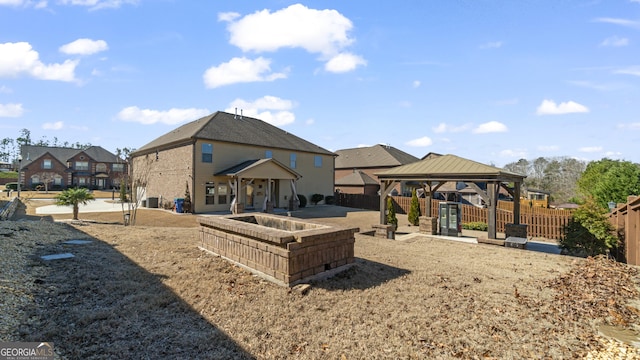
[240, 114]
[236, 114]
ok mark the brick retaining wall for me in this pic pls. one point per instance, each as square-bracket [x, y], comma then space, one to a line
[284, 257]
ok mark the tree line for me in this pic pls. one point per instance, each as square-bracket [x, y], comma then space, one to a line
[10, 147]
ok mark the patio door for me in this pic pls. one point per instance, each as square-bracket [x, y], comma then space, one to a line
[248, 198]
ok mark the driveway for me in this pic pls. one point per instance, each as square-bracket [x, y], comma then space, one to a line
[97, 205]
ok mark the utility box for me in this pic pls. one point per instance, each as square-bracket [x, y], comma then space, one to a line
[449, 217]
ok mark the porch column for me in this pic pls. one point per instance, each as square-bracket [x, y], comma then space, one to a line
[385, 189]
[516, 203]
[492, 205]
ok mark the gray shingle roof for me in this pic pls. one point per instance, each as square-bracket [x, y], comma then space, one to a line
[372, 157]
[226, 127]
[97, 153]
[356, 178]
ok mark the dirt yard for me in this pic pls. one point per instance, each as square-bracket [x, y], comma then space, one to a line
[147, 291]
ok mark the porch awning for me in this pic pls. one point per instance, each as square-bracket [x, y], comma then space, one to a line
[260, 169]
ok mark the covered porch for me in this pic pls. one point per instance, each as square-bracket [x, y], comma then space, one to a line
[260, 185]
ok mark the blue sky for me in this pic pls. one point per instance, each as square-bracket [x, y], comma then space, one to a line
[492, 81]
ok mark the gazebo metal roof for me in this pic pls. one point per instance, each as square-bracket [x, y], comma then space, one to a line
[441, 169]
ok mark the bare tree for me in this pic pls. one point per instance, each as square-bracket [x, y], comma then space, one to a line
[46, 178]
[136, 180]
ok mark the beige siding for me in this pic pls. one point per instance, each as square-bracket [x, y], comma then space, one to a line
[173, 169]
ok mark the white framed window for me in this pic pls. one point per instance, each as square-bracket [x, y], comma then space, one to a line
[46, 164]
[82, 165]
[101, 168]
[210, 193]
[223, 191]
[207, 153]
[57, 180]
[82, 181]
[293, 160]
[117, 167]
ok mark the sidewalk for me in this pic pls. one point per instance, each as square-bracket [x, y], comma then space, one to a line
[97, 205]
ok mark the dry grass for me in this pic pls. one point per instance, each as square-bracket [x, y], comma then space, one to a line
[145, 291]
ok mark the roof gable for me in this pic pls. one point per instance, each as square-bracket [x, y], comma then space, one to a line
[31, 153]
[226, 127]
[448, 167]
[356, 178]
[262, 168]
[377, 156]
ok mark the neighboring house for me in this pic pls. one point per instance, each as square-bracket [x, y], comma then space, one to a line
[5, 166]
[221, 155]
[58, 167]
[357, 183]
[536, 198]
[371, 160]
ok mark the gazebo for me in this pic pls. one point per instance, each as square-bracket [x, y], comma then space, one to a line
[432, 173]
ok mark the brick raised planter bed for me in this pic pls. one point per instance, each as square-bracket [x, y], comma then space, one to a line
[282, 249]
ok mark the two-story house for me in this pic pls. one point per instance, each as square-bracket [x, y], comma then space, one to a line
[59, 167]
[231, 162]
[356, 168]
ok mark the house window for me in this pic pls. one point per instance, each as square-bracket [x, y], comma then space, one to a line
[57, 180]
[101, 168]
[117, 167]
[35, 179]
[317, 161]
[292, 160]
[46, 164]
[82, 181]
[268, 154]
[82, 165]
[207, 153]
[222, 193]
[210, 193]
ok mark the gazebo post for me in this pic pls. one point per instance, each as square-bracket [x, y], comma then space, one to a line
[385, 189]
[516, 203]
[491, 223]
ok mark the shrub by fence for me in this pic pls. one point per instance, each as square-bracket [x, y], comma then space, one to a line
[541, 222]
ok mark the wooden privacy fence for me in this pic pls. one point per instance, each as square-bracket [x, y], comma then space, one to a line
[626, 221]
[544, 223]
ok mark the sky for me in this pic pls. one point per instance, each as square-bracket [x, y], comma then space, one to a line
[488, 80]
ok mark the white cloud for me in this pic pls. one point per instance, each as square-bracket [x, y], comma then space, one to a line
[632, 70]
[630, 126]
[310, 122]
[99, 4]
[513, 153]
[58, 125]
[505, 102]
[491, 45]
[599, 87]
[11, 110]
[443, 128]
[19, 58]
[240, 70]
[168, 117]
[615, 41]
[416, 84]
[5, 90]
[490, 127]
[420, 142]
[324, 32]
[228, 16]
[344, 62]
[271, 109]
[590, 149]
[549, 107]
[621, 22]
[548, 148]
[12, 2]
[84, 47]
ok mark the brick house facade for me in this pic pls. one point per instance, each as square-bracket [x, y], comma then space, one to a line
[223, 155]
[60, 168]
